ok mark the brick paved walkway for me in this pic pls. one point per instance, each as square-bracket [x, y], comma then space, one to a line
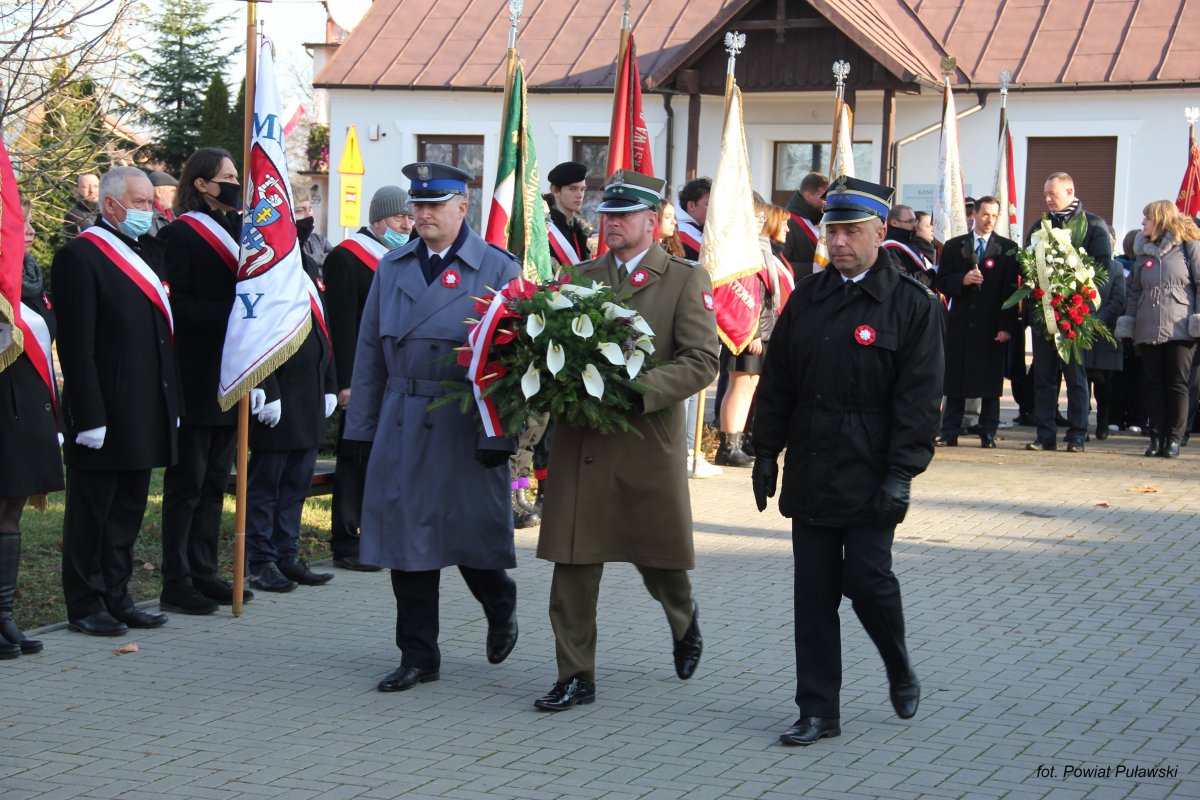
[1052, 610]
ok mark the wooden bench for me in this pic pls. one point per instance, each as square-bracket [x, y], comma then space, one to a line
[321, 483]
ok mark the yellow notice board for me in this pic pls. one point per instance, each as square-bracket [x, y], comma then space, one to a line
[351, 168]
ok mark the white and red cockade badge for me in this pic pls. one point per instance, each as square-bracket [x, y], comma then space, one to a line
[639, 277]
[990, 263]
[864, 334]
[450, 279]
[320, 284]
[708, 300]
[1149, 263]
[167, 288]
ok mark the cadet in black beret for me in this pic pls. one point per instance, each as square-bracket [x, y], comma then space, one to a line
[568, 231]
[856, 357]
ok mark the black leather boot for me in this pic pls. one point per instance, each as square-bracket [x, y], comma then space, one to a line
[10, 561]
[730, 454]
[1154, 448]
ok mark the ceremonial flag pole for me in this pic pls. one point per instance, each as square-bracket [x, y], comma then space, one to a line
[949, 209]
[1188, 200]
[841, 161]
[243, 406]
[1006, 181]
[516, 220]
[730, 250]
[628, 136]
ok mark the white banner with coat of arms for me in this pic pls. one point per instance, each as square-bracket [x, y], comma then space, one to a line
[271, 314]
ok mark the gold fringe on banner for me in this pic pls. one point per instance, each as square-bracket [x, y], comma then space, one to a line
[16, 344]
[260, 373]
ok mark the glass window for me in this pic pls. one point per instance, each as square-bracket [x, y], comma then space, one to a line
[464, 152]
[794, 160]
[593, 152]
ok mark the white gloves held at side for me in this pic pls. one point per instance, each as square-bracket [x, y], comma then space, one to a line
[271, 413]
[92, 439]
[330, 405]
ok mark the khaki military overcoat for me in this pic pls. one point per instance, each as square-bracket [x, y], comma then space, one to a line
[617, 497]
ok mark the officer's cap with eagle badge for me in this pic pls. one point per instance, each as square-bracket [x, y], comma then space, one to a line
[435, 183]
[628, 191]
[852, 200]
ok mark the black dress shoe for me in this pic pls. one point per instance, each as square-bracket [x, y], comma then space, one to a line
[1025, 419]
[354, 565]
[525, 519]
[1038, 444]
[268, 578]
[1075, 447]
[1170, 450]
[1101, 433]
[219, 591]
[807, 730]
[99, 624]
[575, 692]
[987, 442]
[185, 599]
[135, 617]
[501, 639]
[404, 678]
[299, 572]
[905, 692]
[689, 648]
[1154, 448]
[947, 441]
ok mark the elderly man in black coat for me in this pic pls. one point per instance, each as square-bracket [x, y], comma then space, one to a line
[850, 388]
[804, 210]
[120, 399]
[978, 273]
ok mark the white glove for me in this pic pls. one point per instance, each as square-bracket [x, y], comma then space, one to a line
[330, 405]
[258, 399]
[271, 413]
[60, 440]
[93, 438]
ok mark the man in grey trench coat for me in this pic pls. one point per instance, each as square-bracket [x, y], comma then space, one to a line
[621, 496]
[437, 490]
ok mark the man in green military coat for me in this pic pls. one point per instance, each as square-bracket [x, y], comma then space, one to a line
[621, 497]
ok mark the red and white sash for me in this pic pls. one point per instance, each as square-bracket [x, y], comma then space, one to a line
[217, 237]
[564, 251]
[134, 268]
[690, 234]
[318, 310]
[365, 249]
[37, 348]
[810, 230]
[917, 258]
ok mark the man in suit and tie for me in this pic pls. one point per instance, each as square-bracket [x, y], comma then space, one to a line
[978, 273]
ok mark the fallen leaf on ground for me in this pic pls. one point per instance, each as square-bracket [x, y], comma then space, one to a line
[1101, 505]
[1144, 490]
[128, 647]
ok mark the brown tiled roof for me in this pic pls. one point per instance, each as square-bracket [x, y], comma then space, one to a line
[1068, 42]
[572, 44]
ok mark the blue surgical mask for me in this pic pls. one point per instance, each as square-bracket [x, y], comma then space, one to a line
[136, 223]
[394, 239]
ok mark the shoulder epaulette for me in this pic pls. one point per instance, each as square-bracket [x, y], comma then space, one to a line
[687, 262]
[500, 249]
[918, 284]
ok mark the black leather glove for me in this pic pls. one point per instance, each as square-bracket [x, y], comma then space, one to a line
[764, 478]
[492, 458]
[893, 498]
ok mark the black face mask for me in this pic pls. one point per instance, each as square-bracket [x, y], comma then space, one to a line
[304, 227]
[230, 194]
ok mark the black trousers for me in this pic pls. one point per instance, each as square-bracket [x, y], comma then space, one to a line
[1129, 401]
[193, 499]
[1103, 382]
[1019, 378]
[349, 481]
[1047, 364]
[989, 416]
[1167, 368]
[831, 562]
[277, 482]
[417, 595]
[104, 511]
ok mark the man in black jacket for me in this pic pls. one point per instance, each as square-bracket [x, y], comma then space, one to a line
[120, 401]
[804, 227]
[349, 271]
[83, 213]
[851, 388]
[567, 230]
[978, 273]
[1063, 207]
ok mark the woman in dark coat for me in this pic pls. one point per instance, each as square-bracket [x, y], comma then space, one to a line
[1105, 360]
[30, 461]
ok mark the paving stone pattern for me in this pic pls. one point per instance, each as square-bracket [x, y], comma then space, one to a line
[1052, 611]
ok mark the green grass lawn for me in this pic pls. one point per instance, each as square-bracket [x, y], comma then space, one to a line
[39, 598]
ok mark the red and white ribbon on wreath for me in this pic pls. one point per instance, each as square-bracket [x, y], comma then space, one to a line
[480, 341]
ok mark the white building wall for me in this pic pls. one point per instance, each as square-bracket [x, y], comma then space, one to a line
[1149, 126]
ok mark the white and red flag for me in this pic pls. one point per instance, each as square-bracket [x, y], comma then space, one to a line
[1006, 188]
[276, 300]
[949, 208]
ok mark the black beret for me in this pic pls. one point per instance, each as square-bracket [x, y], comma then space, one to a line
[566, 173]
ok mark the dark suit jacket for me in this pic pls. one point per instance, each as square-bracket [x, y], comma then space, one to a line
[117, 359]
[1104, 355]
[974, 359]
[347, 283]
